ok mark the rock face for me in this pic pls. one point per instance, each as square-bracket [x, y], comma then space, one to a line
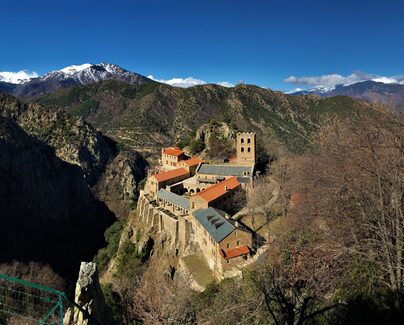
[75, 141]
[113, 177]
[118, 186]
[89, 296]
[47, 211]
[61, 182]
[219, 141]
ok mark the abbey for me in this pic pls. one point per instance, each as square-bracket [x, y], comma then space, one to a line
[196, 203]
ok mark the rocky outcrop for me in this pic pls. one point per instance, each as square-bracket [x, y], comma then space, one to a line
[47, 211]
[89, 296]
[75, 141]
[118, 186]
[219, 139]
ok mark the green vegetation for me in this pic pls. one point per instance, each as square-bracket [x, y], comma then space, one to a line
[129, 259]
[85, 108]
[196, 146]
[112, 237]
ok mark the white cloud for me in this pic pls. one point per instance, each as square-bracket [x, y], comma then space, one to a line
[188, 82]
[331, 80]
[17, 77]
[294, 90]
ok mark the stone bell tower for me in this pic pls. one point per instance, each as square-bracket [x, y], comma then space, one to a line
[246, 148]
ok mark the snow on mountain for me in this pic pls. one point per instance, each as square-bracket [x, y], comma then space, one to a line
[72, 69]
[75, 75]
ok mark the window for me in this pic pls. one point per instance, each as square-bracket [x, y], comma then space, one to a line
[238, 242]
[242, 140]
[248, 140]
[242, 149]
[227, 245]
[249, 149]
[227, 261]
[235, 232]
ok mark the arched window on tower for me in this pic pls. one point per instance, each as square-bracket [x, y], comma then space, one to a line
[242, 140]
[249, 149]
[248, 140]
[242, 149]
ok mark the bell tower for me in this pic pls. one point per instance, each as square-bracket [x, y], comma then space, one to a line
[246, 148]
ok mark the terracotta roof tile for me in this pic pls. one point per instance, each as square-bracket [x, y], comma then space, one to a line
[235, 252]
[215, 191]
[193, 161]
[173, 151]
[161, 177]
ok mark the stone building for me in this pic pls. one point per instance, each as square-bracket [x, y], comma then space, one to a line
[192, 202]
[220, 195]
[212, 174]
[246, 148]
[218, 236]
[161, 180]
[171, 156]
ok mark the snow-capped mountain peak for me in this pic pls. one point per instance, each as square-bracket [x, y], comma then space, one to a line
[81, 74]
[72, 69]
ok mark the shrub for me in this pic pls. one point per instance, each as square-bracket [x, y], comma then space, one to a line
[128, 260]
[112, 236]
[196, 146]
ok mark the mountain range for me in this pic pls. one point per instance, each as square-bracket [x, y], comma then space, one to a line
[389, 94]
[71, 76]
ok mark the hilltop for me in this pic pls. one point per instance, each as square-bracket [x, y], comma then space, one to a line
[156, 114]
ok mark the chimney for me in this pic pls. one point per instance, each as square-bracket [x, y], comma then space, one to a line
[236, 224]
[225, 188]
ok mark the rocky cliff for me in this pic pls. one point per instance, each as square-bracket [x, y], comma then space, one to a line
[47, 211]
[62, 183]
[78, 143]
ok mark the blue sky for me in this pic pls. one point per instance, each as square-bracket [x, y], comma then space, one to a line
[258, 42]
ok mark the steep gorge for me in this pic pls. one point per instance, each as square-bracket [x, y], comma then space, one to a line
[62, 183]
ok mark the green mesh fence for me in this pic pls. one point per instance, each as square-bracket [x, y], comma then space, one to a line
[26, 303]
[23, 302]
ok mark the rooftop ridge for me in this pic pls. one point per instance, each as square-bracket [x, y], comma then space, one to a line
[215, 185]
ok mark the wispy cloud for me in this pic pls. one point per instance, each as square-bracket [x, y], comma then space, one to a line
[17, 77]
[188, 82]
[337, 79]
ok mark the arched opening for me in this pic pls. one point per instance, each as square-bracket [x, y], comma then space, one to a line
[248, 140]
[198, 190]
[242, 140]
[242, 149]
[191, 191]
[249, 149]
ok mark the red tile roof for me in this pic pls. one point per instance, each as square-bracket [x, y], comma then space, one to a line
[235, 252]
[173, 151]
[193, 161]
[161, 177]
[215, 191]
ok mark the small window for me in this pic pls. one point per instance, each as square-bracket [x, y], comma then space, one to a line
[238, 242]
[249, 149]
[227, 261]
[242, 140]
[242, 149]
[235, 232]
[227, 245]
[248, 140]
